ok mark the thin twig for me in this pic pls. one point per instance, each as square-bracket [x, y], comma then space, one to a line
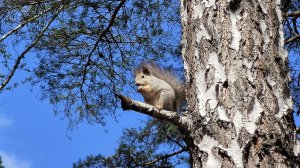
[292, 39]
[176, 142]
[24, 23]
[160, 158]
[111, 22]
[22, 55]
[293, 14]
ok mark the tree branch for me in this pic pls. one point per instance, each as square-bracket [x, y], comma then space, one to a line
[292, 39]
[35, 2]
[22, 55]
[293, 14]
[171, 116]
[294, 21]
[24, 23]
[160, 158]
[110, 24]
[176, 142]
[102, 34]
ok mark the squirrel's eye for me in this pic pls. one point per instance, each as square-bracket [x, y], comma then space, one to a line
[142, 76]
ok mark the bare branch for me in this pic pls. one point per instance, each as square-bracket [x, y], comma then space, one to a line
[19, 4]
[295, 14]
[176, 142]
[292, 39]
[22, 55]
[171, 116]
[294, 21]
[36, 2]
[24, 23]
[160, 158]
[89, 58]
[111, 22]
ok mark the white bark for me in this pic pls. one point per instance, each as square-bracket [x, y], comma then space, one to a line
[236, 68]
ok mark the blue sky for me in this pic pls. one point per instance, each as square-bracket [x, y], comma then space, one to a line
[31, 136]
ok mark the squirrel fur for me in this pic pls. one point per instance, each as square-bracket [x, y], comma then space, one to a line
[159, 87]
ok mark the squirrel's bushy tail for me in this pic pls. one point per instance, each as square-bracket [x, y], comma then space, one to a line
[180, 93]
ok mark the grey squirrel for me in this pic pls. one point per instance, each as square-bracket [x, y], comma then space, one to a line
[159, 87]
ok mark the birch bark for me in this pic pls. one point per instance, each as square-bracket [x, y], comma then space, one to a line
[237, 76]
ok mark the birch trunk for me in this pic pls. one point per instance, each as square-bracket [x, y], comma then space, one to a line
[237, 77]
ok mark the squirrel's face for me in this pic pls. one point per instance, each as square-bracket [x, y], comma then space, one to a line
[141, 81]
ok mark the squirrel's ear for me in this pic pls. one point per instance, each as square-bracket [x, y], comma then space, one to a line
[146, 71]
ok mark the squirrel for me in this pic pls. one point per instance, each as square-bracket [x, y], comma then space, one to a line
[159, 87]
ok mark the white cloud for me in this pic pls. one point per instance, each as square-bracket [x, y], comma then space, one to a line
[5, 122]
[12, 161]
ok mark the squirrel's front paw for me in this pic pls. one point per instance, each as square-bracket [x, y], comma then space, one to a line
[159, 107]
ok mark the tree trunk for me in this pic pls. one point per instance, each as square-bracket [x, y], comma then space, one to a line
[241, 111]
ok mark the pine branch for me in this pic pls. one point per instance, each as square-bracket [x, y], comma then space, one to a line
[22, 55]
[102, 34]
[24, 23]
[110, 24]
[89, 57]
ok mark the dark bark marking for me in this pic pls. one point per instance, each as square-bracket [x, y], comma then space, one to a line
[251, 84]
[244, 136]
[221, 131]
[191, 80]
[286, 91]
[225, 84]
[278, 60]
[259, 9]
[209, 77]
[234, 5]
[243, 43]
[251, 105]
[226, 159]
[184, 4]
[272, 104]
[217, 90]
[247, 148]
[257, 26]
[259, 92]
[288, 119]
